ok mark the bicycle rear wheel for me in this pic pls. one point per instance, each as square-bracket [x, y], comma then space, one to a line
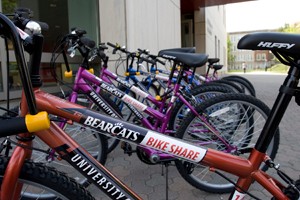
[241, 78]
[243, 82]
[236, 88]
[238, 119]
[42, 182]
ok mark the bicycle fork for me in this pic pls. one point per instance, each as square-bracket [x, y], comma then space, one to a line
[10, 188]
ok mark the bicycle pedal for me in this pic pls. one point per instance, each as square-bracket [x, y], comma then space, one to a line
[189, 167]
[127, 148]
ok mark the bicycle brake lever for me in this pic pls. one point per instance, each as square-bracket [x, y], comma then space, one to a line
[92, 58]
[72, 50]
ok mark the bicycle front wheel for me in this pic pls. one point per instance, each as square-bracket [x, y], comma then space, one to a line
[42, 182]
[237, 121]
[201, 94]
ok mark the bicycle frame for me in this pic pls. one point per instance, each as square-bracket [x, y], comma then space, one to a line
[69, 150]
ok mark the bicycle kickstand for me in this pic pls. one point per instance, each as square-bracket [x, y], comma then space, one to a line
[166, 164]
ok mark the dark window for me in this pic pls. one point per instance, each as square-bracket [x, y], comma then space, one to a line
[61, 16]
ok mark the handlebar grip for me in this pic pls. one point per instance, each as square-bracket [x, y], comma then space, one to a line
[112, 45]
[12, 126]
[29, 123]
[161, 62]
[118, 48]
[143, 51]
[44, 25]
[147, 60]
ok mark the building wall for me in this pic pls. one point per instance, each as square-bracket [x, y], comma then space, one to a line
[210, 34]
[252, 59]
[154, 28]
[112, 21]
[145, 24]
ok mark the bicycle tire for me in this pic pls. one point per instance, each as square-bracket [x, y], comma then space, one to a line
[232, 85]
[214, 83]
[248, 88]
[201, 93]
[214, 110]
[152, 88]
[39, 175]
[243, 78]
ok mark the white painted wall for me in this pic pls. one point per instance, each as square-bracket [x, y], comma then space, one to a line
[146, 24]
[112, 21]
[210, 23]
[216, 23]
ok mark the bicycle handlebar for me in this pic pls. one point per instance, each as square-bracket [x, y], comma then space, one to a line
[8, 25]
[154, 57]
[117, 47]
[29, 123]
[76, 40]
[22, 17]
[145, 51]
[142, 59]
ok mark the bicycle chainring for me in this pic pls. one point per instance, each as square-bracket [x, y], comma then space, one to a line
[189, 167]
[143, 157]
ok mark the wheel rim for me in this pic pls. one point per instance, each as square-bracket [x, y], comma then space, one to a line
[218, 113]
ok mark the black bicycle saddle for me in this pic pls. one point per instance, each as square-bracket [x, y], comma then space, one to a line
[288, 43]
[216, 67]
[187, 59]
[182, 50]
[212, 60]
